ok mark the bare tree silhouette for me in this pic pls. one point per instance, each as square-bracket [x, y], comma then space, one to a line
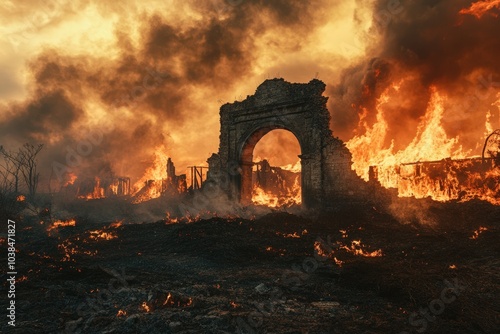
[18, 166]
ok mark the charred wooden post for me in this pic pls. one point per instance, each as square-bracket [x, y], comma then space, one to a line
[373, 174]
[197, 176]
[123, 186]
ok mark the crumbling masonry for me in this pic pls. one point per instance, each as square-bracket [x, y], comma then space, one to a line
[326, 172]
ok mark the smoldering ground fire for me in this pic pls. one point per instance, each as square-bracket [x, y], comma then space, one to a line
[245, 133]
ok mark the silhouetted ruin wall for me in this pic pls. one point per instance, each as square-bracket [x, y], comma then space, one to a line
[327, 177]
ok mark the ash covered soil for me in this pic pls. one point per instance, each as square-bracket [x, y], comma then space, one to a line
[358, 270]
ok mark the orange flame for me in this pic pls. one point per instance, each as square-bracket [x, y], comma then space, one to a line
[296, 168]
[431, 165]
[150, 184]
[477, 232]
[116, 224]
[318, 249]
[97, 234]
[181, 302]
[97, 192]
[168, 300]
[293, 196]
[260, 197]
[430, 142]
[61, 223]
[478, 9]
[71, 179]
[356, 249]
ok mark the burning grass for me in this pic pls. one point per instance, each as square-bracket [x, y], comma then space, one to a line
[61, 223]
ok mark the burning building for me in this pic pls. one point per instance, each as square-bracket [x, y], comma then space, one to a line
[446, 179]
[171, 185]
[93, 188]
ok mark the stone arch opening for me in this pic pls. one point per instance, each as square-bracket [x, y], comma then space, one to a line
[279, 181]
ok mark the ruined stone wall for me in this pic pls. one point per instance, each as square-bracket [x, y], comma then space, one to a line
[342, 184]
[299, 108]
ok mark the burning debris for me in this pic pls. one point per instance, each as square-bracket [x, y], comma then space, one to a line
[60, 223]
[160, 180]
[445, 180]
[96, 187]
[478, 232]
[275, 186]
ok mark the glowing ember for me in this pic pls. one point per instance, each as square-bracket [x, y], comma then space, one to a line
[116, 224]
[289, 235]
[20, 198]
[179, 302]
[121, 313]
[168, 300]
[233, 304]
[452, 266]
[97, 234]
[68, 249]
[61, 223]
[170, 220]
[318, 249]
[477, 232]
[145, 307]
[356, 249]
[22, 279]
[338, 262]
[105, 233]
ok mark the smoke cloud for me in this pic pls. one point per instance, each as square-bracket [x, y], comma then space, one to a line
[144, 76]
[156, 86]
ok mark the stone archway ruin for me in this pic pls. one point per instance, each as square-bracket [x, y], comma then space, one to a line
[299, 108]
